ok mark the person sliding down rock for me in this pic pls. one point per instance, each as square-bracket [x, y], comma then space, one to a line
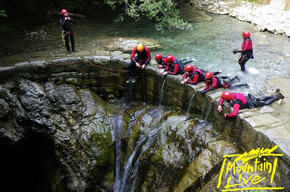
[138, 62]
[213, 82]
[240, 101]
[193, 75]
[67, 32]
[172, 66]
[246, 51]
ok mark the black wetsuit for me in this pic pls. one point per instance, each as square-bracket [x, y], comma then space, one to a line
[253, 102]
[142, 58]
[68, 32]
[246, 53]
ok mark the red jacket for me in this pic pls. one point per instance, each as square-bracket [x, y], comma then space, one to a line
[197, 77]
[246, 46]
[236, 101]
[173, 70]
[144, 55]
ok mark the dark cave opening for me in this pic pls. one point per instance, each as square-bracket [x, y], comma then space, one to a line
[30, 165]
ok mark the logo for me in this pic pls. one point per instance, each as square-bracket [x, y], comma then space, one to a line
[249, 169]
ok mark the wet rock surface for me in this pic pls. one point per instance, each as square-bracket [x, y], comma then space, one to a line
[264, 17]
[126, 44]
[73, 119]
[59, 100]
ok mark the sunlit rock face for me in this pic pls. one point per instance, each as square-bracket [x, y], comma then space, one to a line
[273, 17]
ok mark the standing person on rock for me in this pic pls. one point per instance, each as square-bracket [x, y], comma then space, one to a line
[67, 32]
[246, 51]
[240, 101]
[138, 62]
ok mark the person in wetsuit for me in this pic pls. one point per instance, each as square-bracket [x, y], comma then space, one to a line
[246, 51]
[138, 62]
[160, 60]
[212, 82]
[67, 32]
[194, 75]
[172, 66]
[240, 101]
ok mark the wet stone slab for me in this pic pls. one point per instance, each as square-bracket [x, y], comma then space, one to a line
[97, 59]
[65, 60]
[261, 120]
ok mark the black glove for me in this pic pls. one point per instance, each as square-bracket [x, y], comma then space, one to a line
[235, 51]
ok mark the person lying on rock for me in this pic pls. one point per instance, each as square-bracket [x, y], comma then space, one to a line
[246, 51]
[138, 62]
[172, 66]
[67, 32]
[194, 75]
[160, 60]
[213, 82]
[240, 101]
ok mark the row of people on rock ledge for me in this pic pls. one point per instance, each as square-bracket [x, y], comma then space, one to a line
[141, 56]
[191, 74]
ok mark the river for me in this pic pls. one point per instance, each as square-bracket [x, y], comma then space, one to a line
[211, 43]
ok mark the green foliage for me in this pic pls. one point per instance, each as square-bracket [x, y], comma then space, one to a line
[2, 13]
[164, 12]
[3, 28]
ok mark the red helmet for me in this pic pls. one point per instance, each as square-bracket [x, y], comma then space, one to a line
[169, 58]
[208, 75]
[158, 56]
[226, 95]
[63, 11]
[189, 68]
[246, 34]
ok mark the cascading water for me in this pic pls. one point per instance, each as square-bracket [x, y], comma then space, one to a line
[144, 142]
[162, 91]
[190, 102]
[176, 139]
[118, 125]
[203, 111]
[208, 111]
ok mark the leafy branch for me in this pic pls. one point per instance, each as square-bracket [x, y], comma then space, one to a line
[3, 13]
[164, 12]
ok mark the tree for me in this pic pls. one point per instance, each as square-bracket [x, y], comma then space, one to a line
[163, 11]
[3, 13]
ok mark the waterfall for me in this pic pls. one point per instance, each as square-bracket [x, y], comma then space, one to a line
[278, 4]
[162, 91]
[190, 102]
[202, 111]
[208, 111]
[132, 167]
[145, 141]
[205, 112]
[118, 125]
